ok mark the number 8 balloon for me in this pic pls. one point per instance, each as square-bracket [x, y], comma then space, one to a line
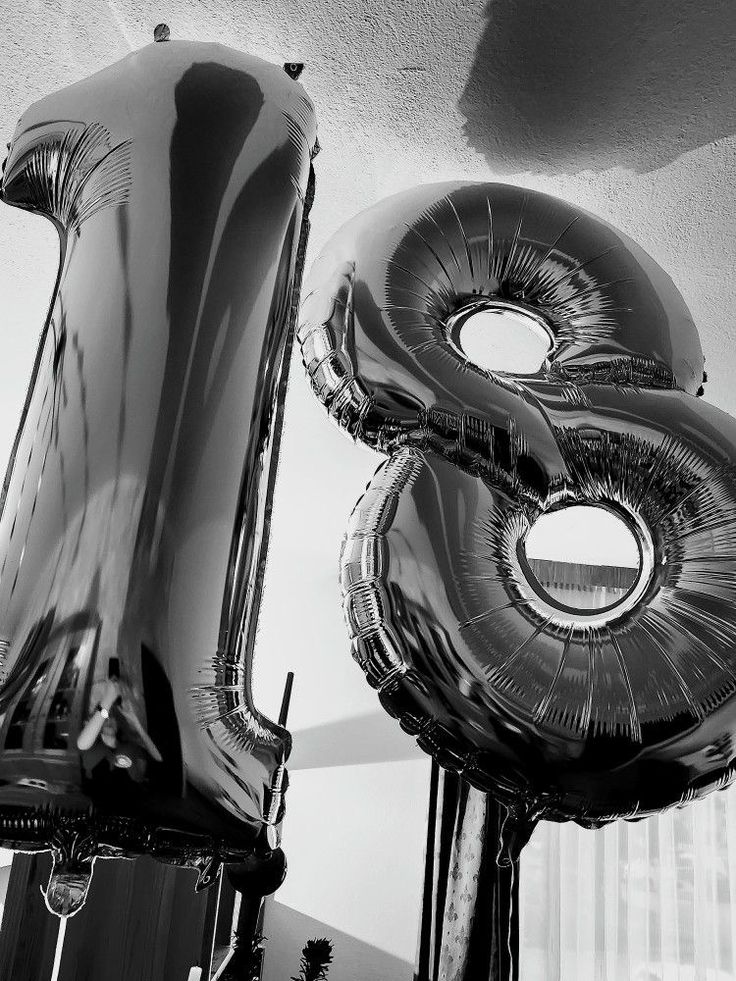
[561, 713]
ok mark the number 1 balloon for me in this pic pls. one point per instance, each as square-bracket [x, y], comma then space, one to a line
[136, 507]
[567, 714]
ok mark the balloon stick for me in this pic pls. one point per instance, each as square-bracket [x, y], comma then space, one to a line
[59, 948]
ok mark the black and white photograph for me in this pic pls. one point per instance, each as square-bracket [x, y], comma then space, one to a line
[368, 490]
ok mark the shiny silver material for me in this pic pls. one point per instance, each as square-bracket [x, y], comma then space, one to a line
[561, 713]
[374, 325]
[136, 506]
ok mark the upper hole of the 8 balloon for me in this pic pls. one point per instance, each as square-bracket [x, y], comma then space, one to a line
[599, 307]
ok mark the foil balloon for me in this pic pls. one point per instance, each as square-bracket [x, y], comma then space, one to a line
[136, 507]
[560, 712]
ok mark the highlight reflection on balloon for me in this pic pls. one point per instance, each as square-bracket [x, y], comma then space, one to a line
[135, 510]
[561, 713]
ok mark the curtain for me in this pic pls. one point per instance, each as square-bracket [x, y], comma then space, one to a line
[653, 900]
[469, 924]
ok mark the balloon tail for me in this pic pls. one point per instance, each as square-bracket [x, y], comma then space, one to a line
[516, 830]
[510, 945]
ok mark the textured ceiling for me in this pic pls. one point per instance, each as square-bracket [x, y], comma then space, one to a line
[626, 108]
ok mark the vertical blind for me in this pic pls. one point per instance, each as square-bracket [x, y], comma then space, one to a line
[652, 900]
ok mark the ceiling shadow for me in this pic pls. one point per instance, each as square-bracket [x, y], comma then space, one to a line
[560, 86]
[371, 738]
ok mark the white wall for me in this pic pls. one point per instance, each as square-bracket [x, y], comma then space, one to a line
[6, 858]
[355, 844]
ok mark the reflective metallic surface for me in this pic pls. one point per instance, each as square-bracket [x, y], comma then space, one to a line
[136, 506]
[378, 301]
[562, 713]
